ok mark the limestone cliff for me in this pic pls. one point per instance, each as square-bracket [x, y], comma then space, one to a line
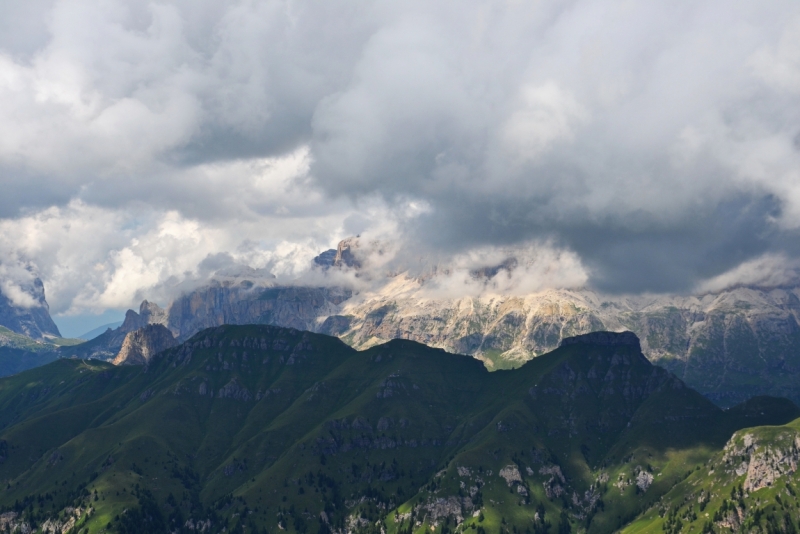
[142, 344]
[243, 303]
[107, 345]
[730, 346]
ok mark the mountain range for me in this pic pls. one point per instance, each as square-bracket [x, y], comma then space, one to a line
[262, 428]
[729, 345]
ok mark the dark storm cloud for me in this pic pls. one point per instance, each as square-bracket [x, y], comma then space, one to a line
[658, 141]
[654, 140]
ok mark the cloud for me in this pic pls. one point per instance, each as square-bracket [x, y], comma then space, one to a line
[18, 284]
[769, 271]
[635, 146]
[95, 257]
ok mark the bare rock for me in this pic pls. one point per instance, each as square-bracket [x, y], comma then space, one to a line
[141, 345]
[511, 474]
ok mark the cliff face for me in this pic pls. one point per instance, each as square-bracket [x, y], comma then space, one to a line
[141, 345]
[730, 346]
[35, 321]
[107, 345]
[218, 304]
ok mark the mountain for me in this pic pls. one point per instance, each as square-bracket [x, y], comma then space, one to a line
[28, 336]
[18, 352]
[261, 428]
[141, 345]
[730, 346]
[32, 320]
[107, 345]
[91, 334]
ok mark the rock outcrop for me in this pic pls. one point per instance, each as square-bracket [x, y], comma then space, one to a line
[107, 345]
[141, 345]
[342, 256]
[764, 461]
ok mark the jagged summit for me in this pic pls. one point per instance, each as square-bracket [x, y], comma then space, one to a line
[141, 345]
[603, 338]
[149, 313]
[31, 320]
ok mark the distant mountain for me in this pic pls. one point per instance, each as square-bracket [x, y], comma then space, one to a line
[141, 345]
[261, 428]
[18, 352]
[730, 345]
[91, 334]
[33, 321]
[14, 360]
[107, 345]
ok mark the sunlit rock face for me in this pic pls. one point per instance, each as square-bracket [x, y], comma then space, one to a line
[730, 345]
[141, 345]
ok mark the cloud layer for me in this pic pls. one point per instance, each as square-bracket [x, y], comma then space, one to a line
[632, 146]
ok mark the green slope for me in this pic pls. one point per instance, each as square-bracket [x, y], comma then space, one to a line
[19, 352]
[259, 428]
[751, 485]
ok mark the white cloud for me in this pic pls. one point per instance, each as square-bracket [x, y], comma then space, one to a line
[546, 114]
[93, 258]
[138, 140]
[531, 268]
[769, 270]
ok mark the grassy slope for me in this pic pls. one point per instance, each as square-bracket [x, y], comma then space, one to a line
[364, 437]
[716, 496]
[19, 353]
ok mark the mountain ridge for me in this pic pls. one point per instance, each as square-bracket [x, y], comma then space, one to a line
[240, 419]
[750, 334]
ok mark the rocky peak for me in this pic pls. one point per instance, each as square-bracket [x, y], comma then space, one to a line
[345, 253]
[141, 345]
[149, 313]
[33, 321]
[152, 313]
[603, 338]
[342, 256]
[133, 321]
[326, 259]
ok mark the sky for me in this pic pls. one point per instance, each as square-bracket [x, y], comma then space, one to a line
[629, 147]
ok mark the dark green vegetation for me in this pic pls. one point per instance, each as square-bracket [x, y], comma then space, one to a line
[18, 352]
[259, 428]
